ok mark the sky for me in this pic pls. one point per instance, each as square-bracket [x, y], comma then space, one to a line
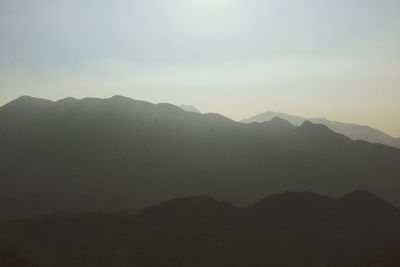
[338, 59]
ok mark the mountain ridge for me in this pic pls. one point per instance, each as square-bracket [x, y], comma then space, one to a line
[354, 131]
[104, 154]
[311, 228]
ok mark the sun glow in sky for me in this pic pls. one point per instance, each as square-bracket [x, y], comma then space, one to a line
[333, 59]
[209, 3]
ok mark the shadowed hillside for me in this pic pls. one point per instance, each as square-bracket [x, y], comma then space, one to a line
[288, 229]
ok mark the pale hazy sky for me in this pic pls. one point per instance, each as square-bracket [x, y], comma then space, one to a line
[338, 59]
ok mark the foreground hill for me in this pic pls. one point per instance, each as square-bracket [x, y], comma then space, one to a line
[354, 131]
[389, 258]
[289, 229]
[10, 259]
[119, 154]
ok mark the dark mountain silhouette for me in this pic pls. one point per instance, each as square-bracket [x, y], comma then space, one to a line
[354, 131]
[190, 108]
[288, 229]
[122, 154]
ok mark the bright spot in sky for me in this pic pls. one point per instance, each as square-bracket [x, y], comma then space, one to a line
[209, 3]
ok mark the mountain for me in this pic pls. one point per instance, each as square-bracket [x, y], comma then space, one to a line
[189, 108]
[354, 131]
[288, 229]
[269, 115]
[122, 154]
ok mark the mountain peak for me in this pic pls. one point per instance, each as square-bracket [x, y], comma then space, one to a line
[26, 99]
[361, 196]
[120, 98]
[291, 199]
[269, 115]
[277, 121]
[351, 130]
[360, 193]
[321, 134]
[309, 126]
[189, 108]
[26, 102]
[68, 100]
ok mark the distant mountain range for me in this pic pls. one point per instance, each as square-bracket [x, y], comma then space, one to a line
[189, 108]
[122, 154]
[354, 131]
[289, 229]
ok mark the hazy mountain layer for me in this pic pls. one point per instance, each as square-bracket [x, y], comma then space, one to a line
[289, 229]
[354, 131]
[189, 108]
[118, 154]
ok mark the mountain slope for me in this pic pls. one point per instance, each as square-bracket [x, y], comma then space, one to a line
[288, 229]
[119, 153]
[354, 131]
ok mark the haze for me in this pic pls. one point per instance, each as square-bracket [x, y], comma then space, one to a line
[333, 59]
